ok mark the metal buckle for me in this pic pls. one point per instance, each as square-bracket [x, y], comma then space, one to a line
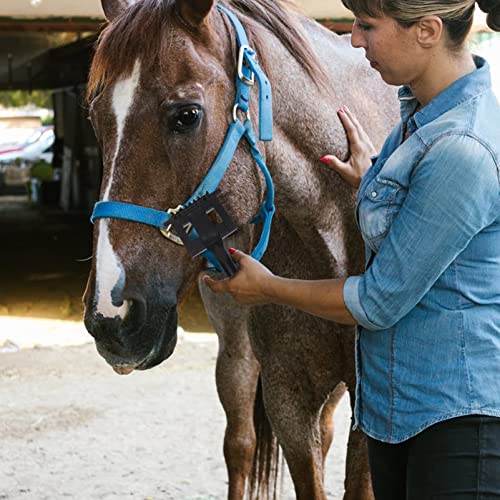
[167, 231]
[241, 62]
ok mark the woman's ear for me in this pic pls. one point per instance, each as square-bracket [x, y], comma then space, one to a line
[429, 31]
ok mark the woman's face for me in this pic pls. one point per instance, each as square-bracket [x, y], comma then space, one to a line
[391, 48]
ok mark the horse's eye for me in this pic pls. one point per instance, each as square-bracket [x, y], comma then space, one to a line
[186, 119]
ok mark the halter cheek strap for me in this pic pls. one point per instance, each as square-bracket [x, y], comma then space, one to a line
[249, 70]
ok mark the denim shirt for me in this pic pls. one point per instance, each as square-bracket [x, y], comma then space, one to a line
[428, 305]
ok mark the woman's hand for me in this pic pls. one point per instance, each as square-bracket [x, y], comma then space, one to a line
[250, 285]
[361, 149]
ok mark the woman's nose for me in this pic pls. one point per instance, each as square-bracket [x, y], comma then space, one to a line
[358, 40]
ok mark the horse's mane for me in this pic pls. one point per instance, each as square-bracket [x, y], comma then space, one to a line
[144, 29]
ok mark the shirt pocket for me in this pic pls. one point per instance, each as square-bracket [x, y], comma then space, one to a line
[378, 207]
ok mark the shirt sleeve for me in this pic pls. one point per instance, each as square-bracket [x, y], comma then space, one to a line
[453, 194]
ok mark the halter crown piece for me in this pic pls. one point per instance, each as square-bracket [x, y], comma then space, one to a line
[249, 70]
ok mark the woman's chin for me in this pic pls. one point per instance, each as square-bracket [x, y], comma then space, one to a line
[390, 79]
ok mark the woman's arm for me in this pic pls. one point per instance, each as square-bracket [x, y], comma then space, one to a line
[255, 284]
[323, 298]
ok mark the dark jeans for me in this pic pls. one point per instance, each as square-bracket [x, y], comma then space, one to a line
[458, 459]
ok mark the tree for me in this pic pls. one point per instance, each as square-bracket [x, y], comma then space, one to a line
[16, 98]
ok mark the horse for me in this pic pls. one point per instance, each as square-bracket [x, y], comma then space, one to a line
[161, 92]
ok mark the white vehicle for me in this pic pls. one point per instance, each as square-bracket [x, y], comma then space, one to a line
[27, 145]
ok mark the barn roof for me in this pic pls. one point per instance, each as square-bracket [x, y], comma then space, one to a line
[30, 30]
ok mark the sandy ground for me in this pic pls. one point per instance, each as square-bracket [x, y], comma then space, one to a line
[70, 427]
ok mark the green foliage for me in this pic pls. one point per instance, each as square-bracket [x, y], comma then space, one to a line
[15, 98]
[48, 120]
[42, 170]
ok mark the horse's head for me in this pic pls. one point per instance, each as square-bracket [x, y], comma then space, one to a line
[161, 90]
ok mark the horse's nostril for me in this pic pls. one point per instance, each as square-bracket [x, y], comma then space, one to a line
[101, 328]
[116, 329]
[136, 312]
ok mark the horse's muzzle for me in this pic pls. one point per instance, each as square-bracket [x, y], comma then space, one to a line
[138, 341]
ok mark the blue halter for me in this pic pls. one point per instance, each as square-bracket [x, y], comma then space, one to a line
[248, 71]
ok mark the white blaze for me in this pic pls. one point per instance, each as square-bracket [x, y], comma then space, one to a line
[109, 270]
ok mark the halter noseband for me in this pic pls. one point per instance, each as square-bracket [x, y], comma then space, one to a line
[249, 70]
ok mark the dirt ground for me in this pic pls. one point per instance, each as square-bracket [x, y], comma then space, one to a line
[70, 427]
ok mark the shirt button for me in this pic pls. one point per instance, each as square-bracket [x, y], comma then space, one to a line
[374, 194]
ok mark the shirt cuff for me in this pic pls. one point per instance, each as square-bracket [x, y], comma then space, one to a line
[353, 303]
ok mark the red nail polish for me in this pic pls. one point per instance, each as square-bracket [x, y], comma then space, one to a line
[342, 110]
[232, 251]
[325, 159]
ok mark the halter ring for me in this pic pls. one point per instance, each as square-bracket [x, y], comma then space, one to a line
[235, 113]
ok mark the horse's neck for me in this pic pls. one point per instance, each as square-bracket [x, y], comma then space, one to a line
[313, 199]
[351, 81]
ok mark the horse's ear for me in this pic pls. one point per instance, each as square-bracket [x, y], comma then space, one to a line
[194, 12]
[113, 8]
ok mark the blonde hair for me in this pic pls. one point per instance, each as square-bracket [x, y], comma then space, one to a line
[457, 15]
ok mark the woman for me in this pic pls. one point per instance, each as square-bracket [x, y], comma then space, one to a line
[428, 305]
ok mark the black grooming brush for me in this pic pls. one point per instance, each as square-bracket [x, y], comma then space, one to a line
[202, 226]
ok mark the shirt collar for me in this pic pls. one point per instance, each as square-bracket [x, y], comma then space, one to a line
[464, 88]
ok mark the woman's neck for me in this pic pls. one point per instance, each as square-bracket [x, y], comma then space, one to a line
[442, 70]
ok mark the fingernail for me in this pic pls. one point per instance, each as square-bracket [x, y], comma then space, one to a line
[342, 110]
[232, 251]
[325, 159]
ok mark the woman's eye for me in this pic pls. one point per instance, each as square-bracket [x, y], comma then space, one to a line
[186, 119]
[363, 26]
